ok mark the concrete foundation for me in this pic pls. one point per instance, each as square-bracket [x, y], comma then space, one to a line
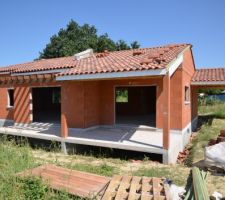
[142, 139]
[63, 147]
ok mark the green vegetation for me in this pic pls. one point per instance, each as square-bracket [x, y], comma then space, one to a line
[15, 158]
[121, 95]
[103, 169]
[210, 129]
[210, 91]
[75, 38]
[178, 176]
[216, 109]
[211, 121]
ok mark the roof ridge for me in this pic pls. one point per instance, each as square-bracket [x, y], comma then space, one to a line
[154, 47]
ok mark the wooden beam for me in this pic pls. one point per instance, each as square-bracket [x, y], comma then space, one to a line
[33, 78]
[48, 77]
[26, 79]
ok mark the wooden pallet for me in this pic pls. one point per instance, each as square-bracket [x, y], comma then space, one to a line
[78, 183]
[136, 188]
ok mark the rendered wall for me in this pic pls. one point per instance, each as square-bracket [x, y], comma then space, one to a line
[89, 103]
[80, 103]
[22, 104]
[22, 110]
[5, 112]
[188, 69]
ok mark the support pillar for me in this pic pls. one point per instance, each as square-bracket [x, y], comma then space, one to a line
[64, 133]
[63, 147]
[166, 111]
[64, 126]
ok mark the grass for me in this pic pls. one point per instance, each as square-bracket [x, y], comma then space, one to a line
[15, 158]
[211, 121]
[177, 174]
[216, 110]
[209, 130]
[103, 169]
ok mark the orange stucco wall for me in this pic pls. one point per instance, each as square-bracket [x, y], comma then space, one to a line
[5, 112]
[188, 69]
[80, 103]
[176, 100]
[89, 103]
[22, 110]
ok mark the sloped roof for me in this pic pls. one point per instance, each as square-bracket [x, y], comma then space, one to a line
[117, 61]
[41, 65]
[127, 60]
[209, 75]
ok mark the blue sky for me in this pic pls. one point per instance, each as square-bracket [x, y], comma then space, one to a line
[26, 26]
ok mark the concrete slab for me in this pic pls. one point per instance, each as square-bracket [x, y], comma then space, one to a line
[142, 139]
[129, 138]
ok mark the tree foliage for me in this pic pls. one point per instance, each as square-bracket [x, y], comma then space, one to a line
[75, 38]
[210, 91]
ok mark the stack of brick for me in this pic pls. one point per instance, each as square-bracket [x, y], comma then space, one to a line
[184, 154]
[220, 138]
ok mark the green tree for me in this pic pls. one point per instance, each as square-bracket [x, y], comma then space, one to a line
[135, 45]
[122, 45]
[105, 43]
[75, 38]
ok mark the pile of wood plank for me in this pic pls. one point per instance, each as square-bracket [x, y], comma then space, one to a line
[74, 182]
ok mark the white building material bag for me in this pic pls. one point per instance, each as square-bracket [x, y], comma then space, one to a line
[215, 155]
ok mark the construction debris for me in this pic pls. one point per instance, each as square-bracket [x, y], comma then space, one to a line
[198, 189]
[176, 192]
[215, 156]
[88, 185]
[216, 196]
[74, 182]
[220, 138]
[136, 188]
[185, 153]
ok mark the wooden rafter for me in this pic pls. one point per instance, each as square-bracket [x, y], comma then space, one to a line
[27, 79]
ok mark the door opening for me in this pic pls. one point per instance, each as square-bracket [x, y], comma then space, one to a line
[136, 105]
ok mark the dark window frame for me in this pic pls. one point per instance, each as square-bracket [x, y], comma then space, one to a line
[10, 93]
[187, 94]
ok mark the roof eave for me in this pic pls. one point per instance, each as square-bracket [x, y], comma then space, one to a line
[53, 71]
[207, 83]
[112, 75]
[3, 73]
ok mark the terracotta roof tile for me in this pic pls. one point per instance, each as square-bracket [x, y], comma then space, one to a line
[206, 75]
[127, 60]
[41, 65]
[117, 61]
